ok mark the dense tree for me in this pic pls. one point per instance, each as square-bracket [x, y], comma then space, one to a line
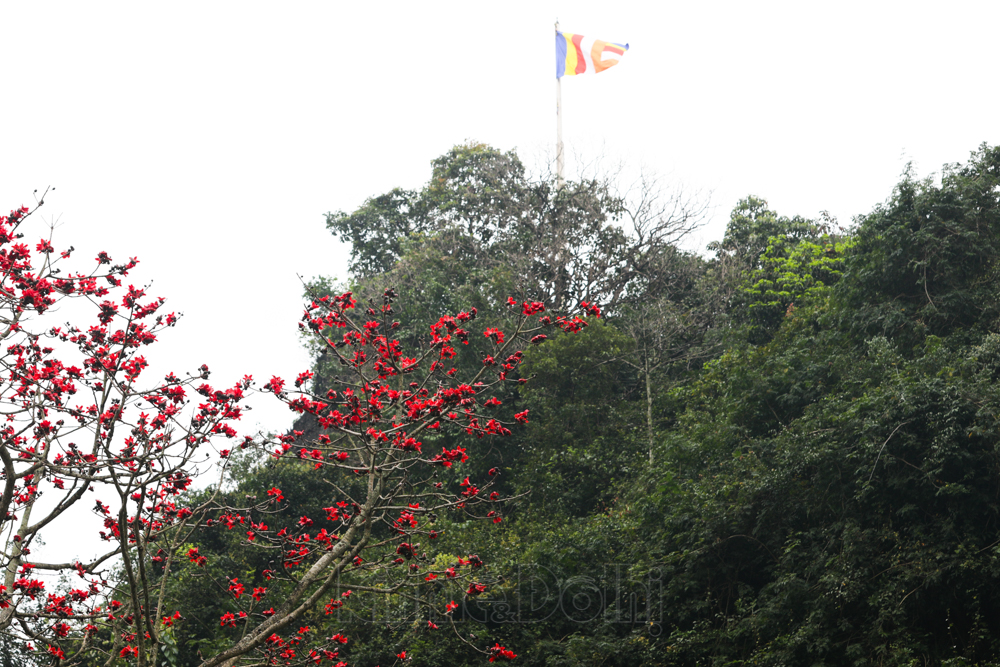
[749, 231]
[580, 383]
[790, 273]
[926, 261]
[838, 495]
[481, 212]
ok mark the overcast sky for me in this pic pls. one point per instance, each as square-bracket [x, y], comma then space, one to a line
[209, 138]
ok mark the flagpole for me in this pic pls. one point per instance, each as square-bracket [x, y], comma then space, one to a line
[560, 161]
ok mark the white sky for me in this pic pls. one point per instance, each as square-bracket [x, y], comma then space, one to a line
[209, 138]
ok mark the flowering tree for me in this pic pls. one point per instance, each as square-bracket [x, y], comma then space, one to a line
[84, 433]
[81, 431]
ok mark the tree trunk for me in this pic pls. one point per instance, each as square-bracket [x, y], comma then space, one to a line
[649, 405]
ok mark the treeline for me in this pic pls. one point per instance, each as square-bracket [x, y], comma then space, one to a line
[783, 454]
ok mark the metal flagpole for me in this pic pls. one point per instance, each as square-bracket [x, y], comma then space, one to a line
[560, 161]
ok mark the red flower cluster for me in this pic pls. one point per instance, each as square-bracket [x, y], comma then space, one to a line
[501, 652]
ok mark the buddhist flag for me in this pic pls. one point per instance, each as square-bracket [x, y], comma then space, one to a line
[576, 54]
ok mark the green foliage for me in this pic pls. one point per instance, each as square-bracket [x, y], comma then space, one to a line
[926, 261]
[169, 649]
[789, 273]
[573, 451]
[481, 213]
[839, 476]
[751, 226]
[860, 531]
[479, 188]
[377, 229]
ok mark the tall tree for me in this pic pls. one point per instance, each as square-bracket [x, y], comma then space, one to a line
[481, 209]
[751, 226]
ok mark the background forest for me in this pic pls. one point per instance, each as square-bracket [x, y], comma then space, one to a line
[784, 453]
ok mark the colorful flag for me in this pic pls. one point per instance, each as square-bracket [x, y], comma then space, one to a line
[576, 54]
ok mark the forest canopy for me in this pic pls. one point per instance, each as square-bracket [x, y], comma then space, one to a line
[782, 452]
[794, 438]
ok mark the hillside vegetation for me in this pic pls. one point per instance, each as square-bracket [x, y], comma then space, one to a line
[784, 453]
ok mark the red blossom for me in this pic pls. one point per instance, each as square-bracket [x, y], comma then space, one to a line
[501, 652]
[495, 335]
[169, 620]
[532, 308]
[195, 558]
